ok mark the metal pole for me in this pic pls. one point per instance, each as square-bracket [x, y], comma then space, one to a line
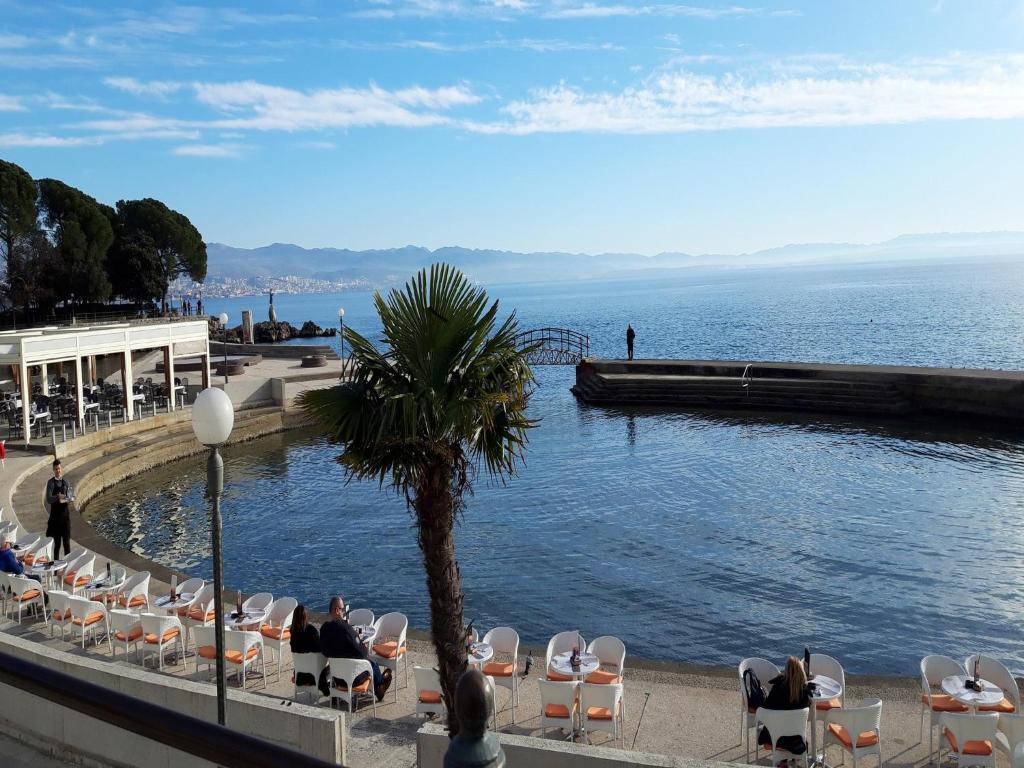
[214, 486]
[341, 321]
[225, 354]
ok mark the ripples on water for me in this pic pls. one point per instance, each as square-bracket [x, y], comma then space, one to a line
[693, 536]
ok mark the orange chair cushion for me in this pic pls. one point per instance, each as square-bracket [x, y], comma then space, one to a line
[387, 650]
[970, 747]
[170, 634]
[943, 703]
[58, 616]
[558, 677]
[235, 657]
[196, 614]
[207, 651]
[430, 697]
[499, 669]
[599, 713]
[275, 633]
[604, 678]
[29, 595]
[135, 602]
[830, 704]
[133, 634]
[556, 710]
[363, 687]
[866, 738]
[91, 619]
[103, 598]
[69, 577]
[1005, 706]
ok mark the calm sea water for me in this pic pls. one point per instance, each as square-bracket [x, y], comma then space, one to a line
[693, 536]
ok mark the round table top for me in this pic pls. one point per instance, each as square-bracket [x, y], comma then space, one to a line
[183, 600]
[588, 663]
[101, 582]
[825, 688]
[51, 567]
[247, 619]
[480, 653]
[989, 694]
[365, 632]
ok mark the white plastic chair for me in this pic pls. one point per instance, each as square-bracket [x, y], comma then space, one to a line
[1010, 739]
[277, 630]
[858, 730]
[822, 664]
[389, 645]
[78, 575]
[58, 613]
[765, 672]
[784, 722]
[970, 738]
[160, 633]
[563, 642]
[205, 639]
[190, 586]
[994, 671]
[611, 652]
[345, 671]
[134, 593]
[259, 602]
[934, 669]
[26, 542]
[429, 700]
[126, 627]
[243, 650]
[200, 612]
[311, 664]
[40, 552]
[88, 617]
[361, 617]
[25, 593]
[601, 709]
[558, 704]
[502, 667]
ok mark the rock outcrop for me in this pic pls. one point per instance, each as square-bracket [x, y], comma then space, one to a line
[271, 333]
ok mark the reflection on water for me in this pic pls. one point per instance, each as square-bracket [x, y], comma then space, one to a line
[692, 536]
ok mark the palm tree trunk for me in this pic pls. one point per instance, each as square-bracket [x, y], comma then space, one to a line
[435, 513]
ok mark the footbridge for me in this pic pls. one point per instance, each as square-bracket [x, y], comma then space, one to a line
[554, 346]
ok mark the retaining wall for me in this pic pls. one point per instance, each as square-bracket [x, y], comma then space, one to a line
[71, 735]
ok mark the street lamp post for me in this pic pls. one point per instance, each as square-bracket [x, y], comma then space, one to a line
[213, 416]
[224, 328]
[341, 324]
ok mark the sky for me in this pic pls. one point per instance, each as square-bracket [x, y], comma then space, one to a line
[573, 125]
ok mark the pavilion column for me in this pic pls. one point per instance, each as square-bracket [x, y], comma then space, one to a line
[25, 403]
[44, 380]
[169, 373]
[206, 367]
[80, 406]
[91, 368]
[126, 382]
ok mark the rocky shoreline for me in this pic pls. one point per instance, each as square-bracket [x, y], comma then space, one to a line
[267, 332]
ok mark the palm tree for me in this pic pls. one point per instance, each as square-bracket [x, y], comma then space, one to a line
[445, 397]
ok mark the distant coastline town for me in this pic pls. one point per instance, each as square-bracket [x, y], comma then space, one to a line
[230, 288]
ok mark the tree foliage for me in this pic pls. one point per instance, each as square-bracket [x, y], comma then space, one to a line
[446, 397]
[17, 208]
[81, 234]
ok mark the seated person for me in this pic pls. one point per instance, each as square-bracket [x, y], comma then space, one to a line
[789, 691]
[305, 639]
[338, 640]
[9, 562]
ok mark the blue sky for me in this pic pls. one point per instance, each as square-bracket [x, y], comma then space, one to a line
[580, 125]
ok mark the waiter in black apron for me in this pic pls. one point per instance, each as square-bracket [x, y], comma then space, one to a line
[59, 494]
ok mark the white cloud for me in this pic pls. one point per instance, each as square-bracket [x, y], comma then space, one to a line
[209, 150]
[537, 45]
[11, 104]
[18, 139]
[158, 88]
[553, 9]
[14, 41]
[837, 94]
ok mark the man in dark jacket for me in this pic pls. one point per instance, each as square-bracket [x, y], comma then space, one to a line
[59, 494]
[630, 335]
[338, 640]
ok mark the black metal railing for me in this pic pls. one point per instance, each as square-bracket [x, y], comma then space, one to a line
[554, 346]
[199, 738]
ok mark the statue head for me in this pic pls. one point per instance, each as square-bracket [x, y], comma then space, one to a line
[472, 704]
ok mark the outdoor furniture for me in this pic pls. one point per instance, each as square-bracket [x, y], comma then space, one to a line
[990, 694]
[479, 653]
[277, 629]
[360, 616]
[611, 653]
[58, 614]
[828, 691]
[159, 634]
[505, 643]
[310, 664]
[429, 700]
[784, 722]
[39, 553]
[134, 593]
[88, 617]
[77, 575]
[200, 612]
[824, 665]
[259, 602]
[205, 639]
[26, 593]
[858, 730]
[125, 625]
[342, 673]
[242, 650]
[601, 709]
[994, 670]
[971, 737]
[563, 642]
[934, 669]
[558, 705]
[1010, 739]
[389, 645]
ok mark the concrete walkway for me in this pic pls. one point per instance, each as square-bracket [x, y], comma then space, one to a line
[15, 754]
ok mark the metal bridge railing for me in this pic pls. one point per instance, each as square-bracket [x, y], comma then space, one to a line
[554, 346]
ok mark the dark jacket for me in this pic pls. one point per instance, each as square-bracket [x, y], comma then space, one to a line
[778, 698]
[55, 488]
[9, 562]
[338, 640]
[306, 641]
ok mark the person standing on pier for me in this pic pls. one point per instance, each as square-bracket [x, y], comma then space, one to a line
[630, 335]
[59, 495]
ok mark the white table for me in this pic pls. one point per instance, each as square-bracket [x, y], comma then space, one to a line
[91, 406]
[49, 570]
[562, 664]
[182, 600]
[825, 689]
[365, 632]
[104, 584]
[245, 621]
[989, 695]
[479, 654]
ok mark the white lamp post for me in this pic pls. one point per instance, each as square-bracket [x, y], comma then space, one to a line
[341, 324]
[224, 327]
[213, 416]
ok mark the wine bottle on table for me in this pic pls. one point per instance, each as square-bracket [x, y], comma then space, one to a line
[174, 586]
[807, 662]
[238, 603]
[977, 669]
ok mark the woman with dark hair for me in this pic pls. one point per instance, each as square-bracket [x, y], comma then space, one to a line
[789, 691]
[305, 639]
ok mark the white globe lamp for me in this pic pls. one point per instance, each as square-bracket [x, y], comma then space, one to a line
[213, 417]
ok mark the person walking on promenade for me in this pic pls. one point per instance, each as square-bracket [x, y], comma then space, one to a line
[199, 308]
[630, 335]
[338, 640]
[59, 494]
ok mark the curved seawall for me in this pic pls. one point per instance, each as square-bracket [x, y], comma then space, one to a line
[960, 395]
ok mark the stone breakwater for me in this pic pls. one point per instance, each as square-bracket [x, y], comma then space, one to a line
[958, 395]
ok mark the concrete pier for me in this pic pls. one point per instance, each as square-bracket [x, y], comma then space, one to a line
[959, 395]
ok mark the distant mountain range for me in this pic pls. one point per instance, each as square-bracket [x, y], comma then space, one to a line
[381, 267]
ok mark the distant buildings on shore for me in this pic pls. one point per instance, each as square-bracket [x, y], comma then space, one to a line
[230, 287]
